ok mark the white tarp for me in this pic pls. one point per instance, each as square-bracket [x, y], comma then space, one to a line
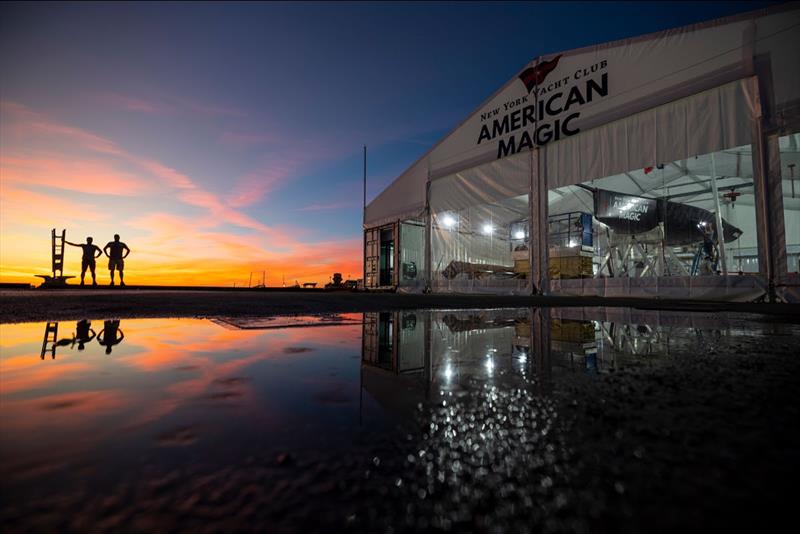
[403, 199]
[703, 123]
[598, 85]
[744, 288]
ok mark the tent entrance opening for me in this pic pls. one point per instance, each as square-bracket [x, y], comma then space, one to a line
[386, 260]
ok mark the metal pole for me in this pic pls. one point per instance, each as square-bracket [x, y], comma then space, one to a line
[534, 215]
[428, 237]
[364, 211]
[364, 226]
[720, 229]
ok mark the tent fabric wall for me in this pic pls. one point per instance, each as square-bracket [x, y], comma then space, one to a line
[411, 259]
[461, 205]
[488, 183]
[730, 288]
[700, 124]
[404, 198]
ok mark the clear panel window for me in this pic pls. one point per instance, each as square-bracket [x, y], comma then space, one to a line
[790, 182]
[482, 246]
[659, 221]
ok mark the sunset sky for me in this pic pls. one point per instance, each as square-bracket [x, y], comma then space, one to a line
[220, 139]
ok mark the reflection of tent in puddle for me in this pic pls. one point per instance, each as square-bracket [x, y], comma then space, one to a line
[290, 321]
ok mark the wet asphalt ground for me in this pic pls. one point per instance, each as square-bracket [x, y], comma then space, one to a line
[705, 439]
[702, 440]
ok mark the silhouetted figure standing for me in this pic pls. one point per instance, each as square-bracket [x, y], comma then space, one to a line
[116, 258]
[108, 335]
[84, 333]
[88, 259]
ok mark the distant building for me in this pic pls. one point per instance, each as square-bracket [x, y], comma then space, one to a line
[662, 165]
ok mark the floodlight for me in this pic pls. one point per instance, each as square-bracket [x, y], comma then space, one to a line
[448, 221]
[488, 229]
[448, 372]
[519, 234]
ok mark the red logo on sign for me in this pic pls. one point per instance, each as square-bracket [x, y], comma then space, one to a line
[533, 76]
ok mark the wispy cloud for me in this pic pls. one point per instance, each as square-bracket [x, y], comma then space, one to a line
[252, 187]
[328, 207]
[24, 130]
[245, 140]
[73, 174]
[42, 208]
[134, 104]
[209, 110]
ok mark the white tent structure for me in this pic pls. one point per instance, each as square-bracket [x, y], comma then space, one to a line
[666, 165]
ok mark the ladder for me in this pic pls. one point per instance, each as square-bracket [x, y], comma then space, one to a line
[58, 252]
[50, 336]
[57, 242]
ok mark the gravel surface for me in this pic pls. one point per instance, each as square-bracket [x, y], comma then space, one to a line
[43, 305]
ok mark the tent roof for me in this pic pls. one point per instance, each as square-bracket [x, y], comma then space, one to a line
[405, 196]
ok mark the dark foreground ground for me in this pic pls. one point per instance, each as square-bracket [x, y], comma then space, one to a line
[39, 305]
[703, 439]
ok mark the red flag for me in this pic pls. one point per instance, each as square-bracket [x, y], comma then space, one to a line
[533, 76]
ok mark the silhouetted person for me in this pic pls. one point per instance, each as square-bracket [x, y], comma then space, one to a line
[116, 258]
[88, 259]
[82, 333]
[108, 335]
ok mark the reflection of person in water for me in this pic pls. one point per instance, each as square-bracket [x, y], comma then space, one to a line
[83, 333]
[64, 342]
[108, 335]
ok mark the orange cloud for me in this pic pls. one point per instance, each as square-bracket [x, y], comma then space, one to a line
[40, 209]
[85, 176]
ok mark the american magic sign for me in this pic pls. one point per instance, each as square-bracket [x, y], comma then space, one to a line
[548, 112]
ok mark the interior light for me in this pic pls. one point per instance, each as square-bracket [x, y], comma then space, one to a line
[448, 372]
[488, 229]
[519, 234]
[448, 221]
[573, 243]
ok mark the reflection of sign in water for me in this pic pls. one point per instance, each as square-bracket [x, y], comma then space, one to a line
[628, 214]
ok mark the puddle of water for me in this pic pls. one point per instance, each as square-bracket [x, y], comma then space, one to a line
[516, 419]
